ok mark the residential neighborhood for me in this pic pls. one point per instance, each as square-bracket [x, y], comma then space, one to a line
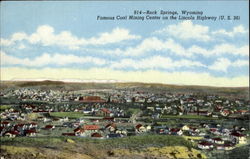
[209, 122]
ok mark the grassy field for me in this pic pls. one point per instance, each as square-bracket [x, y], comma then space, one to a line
[153, 146]
[72, 115]
[166, 152]
[188, 117]
[133, 110]
[18, 152]
[96, 148]
[148, 146]
[193, 137]
[133, 142]
[3, 107]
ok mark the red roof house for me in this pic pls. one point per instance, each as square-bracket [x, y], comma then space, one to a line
[49, 127]
[96, 135]
[91, 127]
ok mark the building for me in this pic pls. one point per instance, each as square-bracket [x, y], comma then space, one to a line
[92, 99]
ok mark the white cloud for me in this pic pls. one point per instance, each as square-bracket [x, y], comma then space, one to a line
[240, 63]
[187, 30]
[229, 48]
[149, 76]
[154, 44]
[46, 36]
[222, 64]
[148, 45]
[19, 36]
[47, 59]
[117, 35]
[220, 50]
[236, 31]
[21, 46]
[155, 62]
[5, 42]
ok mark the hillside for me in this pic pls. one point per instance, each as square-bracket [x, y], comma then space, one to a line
[239, 92]
[154, 146]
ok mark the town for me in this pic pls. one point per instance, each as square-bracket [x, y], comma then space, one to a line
[208, 121]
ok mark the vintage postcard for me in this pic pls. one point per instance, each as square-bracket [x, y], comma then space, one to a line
[124, 79]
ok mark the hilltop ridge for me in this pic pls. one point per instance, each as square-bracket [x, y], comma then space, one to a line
[240, 92]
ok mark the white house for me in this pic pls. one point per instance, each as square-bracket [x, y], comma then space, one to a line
[205, 145]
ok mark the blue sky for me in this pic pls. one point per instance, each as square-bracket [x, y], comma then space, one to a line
[55, 36]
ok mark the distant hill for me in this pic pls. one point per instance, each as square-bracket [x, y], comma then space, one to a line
[240, 92]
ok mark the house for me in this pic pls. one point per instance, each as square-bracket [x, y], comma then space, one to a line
[225, 112]
[176, 131]
[75, 124]
[92, 99]
[14, 112]
[242, 112]
[89, 129]
[111, 127]
[140, 129]
[228, 146]
[88, 111]
[194, 131]
[215, 116]
[46, 120]
[208, 138]
[202, 133]
[204, 145]
[13, 133]
[97, 135]
[49, 127]
[79, 131]
[148, 127]
[30, 133]
[217, 140]
[64, 119]
[95, 120]
[5, 124]
[185, 128]
[20, 127]
[104, 112]
[238, 137]
[213, 130]
[128, 100]
[241, 129]
[220, 147]
[163, 131]
[204, 125]
[123, 132]
[225, 132]
[32, 125]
